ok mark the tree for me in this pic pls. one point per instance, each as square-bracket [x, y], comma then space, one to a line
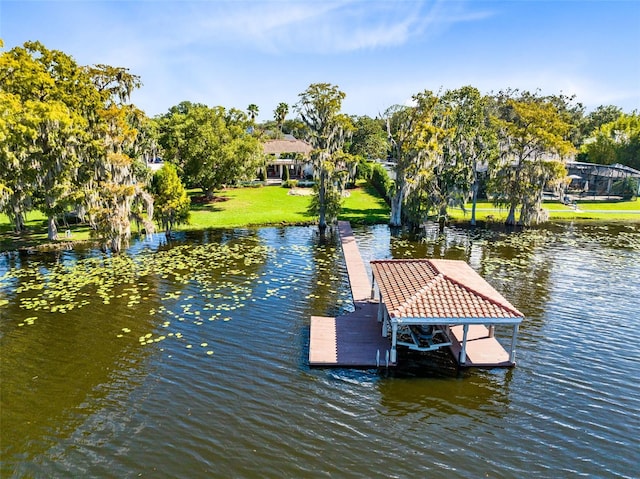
[600, 116]
[319, 107]
[369, 139]
[295, 127]
[285, 174]
[253, 110]
[116, 190]
[532, 137]
[210, 146]
[109, 173]
[414, 135]
[572, 113]
[279, 114]
[471, 144]
[171, 203]
[17, 173]
[72, 134]
[46, 101]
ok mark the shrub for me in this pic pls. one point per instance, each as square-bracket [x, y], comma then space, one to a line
[380, 181]
[364, 169]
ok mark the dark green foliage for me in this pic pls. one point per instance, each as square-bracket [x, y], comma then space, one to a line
[626, 188]
[211, 146]
[364, 169]
[381, 181]
[369, 139]
[171, 202]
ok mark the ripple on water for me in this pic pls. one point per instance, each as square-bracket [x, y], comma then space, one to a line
[116, 407]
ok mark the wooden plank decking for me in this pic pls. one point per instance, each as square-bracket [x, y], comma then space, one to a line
[482, 350]
[352, 340]
[358, 277]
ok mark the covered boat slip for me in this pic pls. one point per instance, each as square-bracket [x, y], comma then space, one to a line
[426, 304]
[421, 304]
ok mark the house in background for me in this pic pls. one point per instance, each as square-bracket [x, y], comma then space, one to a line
[287, 152]
[598, 180]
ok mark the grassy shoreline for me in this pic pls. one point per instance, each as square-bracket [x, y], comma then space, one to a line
[586, 210]
[274, 205]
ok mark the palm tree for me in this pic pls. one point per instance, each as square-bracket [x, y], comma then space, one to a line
[280, 114]
[253, 111]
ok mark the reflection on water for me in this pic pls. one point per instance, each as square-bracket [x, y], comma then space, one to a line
[188, 358]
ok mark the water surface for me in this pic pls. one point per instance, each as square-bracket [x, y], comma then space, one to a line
[189, 359]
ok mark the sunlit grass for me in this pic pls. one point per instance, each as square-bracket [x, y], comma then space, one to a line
[365, 206]
[276, 205]
[271, 205]
[36, 234]
[240, 207]
[232, 208]
[586, 210]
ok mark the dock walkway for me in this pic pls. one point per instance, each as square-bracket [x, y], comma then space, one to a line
[355, 339]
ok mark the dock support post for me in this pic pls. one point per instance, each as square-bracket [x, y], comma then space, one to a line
[492, 330]
[373, 287]
[463, 351]
[514, 338]
[394, 341]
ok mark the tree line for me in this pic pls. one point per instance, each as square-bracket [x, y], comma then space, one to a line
[71, 140]
[445, 146]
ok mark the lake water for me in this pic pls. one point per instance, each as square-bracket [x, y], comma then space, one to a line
[189, 359]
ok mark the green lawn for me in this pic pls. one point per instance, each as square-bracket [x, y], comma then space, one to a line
[586, 210]
[275, 205]
[36, 234]
[271, 205]
[237, 207]
[249, 206]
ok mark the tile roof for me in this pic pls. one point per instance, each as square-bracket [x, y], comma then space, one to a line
[430, 288]
[277, 147]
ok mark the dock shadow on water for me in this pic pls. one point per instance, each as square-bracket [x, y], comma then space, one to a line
[186, 358]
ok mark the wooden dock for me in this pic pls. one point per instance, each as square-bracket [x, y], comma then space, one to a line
[482, 350]
[355, 339]
[352, 340]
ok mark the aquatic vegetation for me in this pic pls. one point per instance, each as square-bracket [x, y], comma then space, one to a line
[176, 290]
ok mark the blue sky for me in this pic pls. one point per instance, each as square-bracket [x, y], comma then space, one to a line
[380, 53]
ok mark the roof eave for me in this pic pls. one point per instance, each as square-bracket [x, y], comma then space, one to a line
[437, 321]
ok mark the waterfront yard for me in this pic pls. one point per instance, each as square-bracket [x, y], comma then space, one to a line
[274, 205]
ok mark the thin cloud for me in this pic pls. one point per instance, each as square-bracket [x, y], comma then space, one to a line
[320, 27]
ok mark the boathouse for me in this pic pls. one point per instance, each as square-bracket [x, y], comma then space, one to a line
[420, 304]
[427, 304]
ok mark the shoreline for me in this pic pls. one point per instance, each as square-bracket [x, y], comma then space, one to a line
[482, 222]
